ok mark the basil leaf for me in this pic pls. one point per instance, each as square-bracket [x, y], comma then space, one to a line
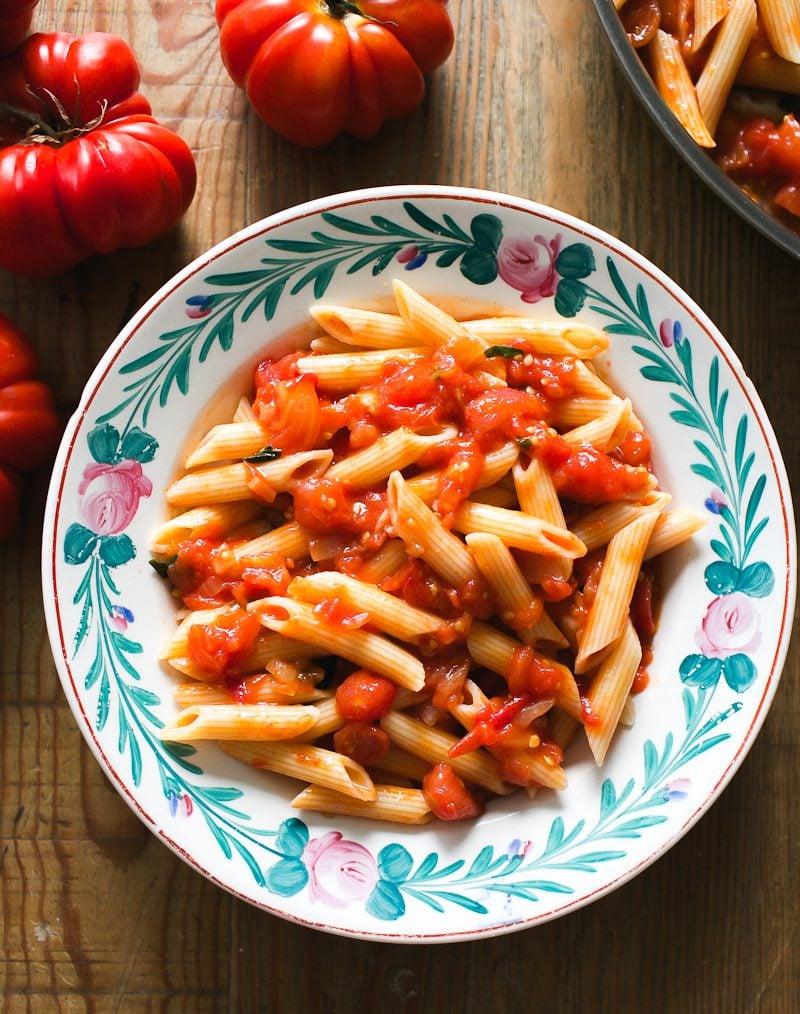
[505, 351]
[162, 566]
[267, 453]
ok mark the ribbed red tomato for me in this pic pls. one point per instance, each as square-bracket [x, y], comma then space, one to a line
[15, 20]
[29, 426]
[84, 167]
[314, 68]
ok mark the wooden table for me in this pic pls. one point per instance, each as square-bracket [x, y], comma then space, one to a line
[96, 914]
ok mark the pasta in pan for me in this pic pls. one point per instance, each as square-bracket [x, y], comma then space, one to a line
[406, 581]
[730, 72]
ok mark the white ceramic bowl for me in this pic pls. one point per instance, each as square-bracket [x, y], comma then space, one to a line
[724, 627]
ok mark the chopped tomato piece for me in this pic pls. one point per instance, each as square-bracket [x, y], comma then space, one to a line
[220, 649]
[532, 673]
[447, 796]
[290, 412]
[586, 475]
[365, 696]
[363, 742]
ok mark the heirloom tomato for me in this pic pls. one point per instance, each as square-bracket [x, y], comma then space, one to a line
[313, 68]
[29, 426]
[84, 167]
[15, 20]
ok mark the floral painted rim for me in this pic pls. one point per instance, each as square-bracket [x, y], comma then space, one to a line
[338, 204]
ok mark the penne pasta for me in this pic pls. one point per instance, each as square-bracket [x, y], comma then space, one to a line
[672, 79]
[495, 650]
[781, 21]
[240, 721]
[227, 441]
[207, 521]
[707, 15]
[424, 535]
[723, 63]
[308, 763]
[347, 371]
[391, 615]
[392, 802]
[298, 620]
[363, 328]
[609, 691]
[393, 452]
[518, 530]
[397, 596]
[546, 337]
[609, 610]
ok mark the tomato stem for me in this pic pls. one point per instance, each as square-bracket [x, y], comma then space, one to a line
[339, 9]
[10, 113]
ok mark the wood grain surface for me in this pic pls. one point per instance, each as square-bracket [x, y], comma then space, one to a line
[95, 914]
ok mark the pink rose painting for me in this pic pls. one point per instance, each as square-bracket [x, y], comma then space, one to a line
[340, 871]
[529, 265]
[729, 627]
[110, 495]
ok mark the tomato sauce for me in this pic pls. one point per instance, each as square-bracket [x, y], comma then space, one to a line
[586, 475]
[764, 157]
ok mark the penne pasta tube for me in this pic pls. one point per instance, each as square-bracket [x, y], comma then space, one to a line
[495, 496]
[495, 650]
[599, 526]
[393, 452]
[606, 431]
[546, 337]
[386, 562]
[562, 727]
[518, 530]
[609, 691]
[223, 484]
[392, 802]
[347, 371]
[233, 482]
[328, 720]
[433, 745]
[627, 716]
[289, 540]
[433, 326]
[538, 497]
[325, 345]
[188, 694]
[676, 87]
[425, 536]
[761, 68]
[781, 22]
[404, 764]
[580, 409]
[672, 528]
[707, 15]
[519, 607]
[585, 382]
[722, 65]
[228, 441]
[618, 577]
[373, 652]
[308, 763]
[363, 328]
[240, 721]
[208, 521]
[392, 615]
[244, 411]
